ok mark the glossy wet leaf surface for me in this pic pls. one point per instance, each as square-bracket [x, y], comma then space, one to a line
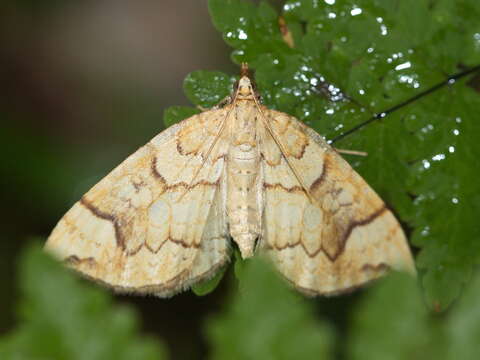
[352, 61]
[207, 88]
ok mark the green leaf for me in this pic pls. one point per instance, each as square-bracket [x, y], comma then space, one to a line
[463, 325]
[447, 199]
[392, 323]
[207, 88]
[354, 60]
[266, 320]
[249, 29]
[239, 264]
[228, 13]
[174, 114]
[62, 318]
[207, 286]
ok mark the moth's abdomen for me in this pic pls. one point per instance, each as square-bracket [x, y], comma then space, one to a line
[242, 180]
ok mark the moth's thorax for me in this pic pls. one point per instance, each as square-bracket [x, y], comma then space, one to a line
[244, 123]
[245, 89]
[243, 166]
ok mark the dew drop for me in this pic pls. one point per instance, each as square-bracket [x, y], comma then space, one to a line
[242, 35]
[403, 66]
[355, 11]
[291, 6]
[425, 231]
[438, 157]
[383, 30]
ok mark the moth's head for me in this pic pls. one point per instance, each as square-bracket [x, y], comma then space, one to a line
[245, 88]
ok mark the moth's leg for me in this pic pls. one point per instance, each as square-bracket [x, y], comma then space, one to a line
[351, 152]
[226, 100]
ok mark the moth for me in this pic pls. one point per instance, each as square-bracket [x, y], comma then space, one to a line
[166, 218]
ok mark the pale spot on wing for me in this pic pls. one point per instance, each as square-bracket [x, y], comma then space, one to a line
[159, 213]
[345, 198]
[312, 227]
[181, 211]
[287, 216]
[280, 122]
[329, 203]
[312, 218]
[295, 143]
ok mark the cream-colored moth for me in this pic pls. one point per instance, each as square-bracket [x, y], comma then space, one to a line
[166, 217]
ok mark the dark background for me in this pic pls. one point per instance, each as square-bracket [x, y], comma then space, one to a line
[84, 84]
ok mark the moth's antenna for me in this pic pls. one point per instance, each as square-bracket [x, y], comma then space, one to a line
[284, 152]
[244, 70]
[210, 149]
